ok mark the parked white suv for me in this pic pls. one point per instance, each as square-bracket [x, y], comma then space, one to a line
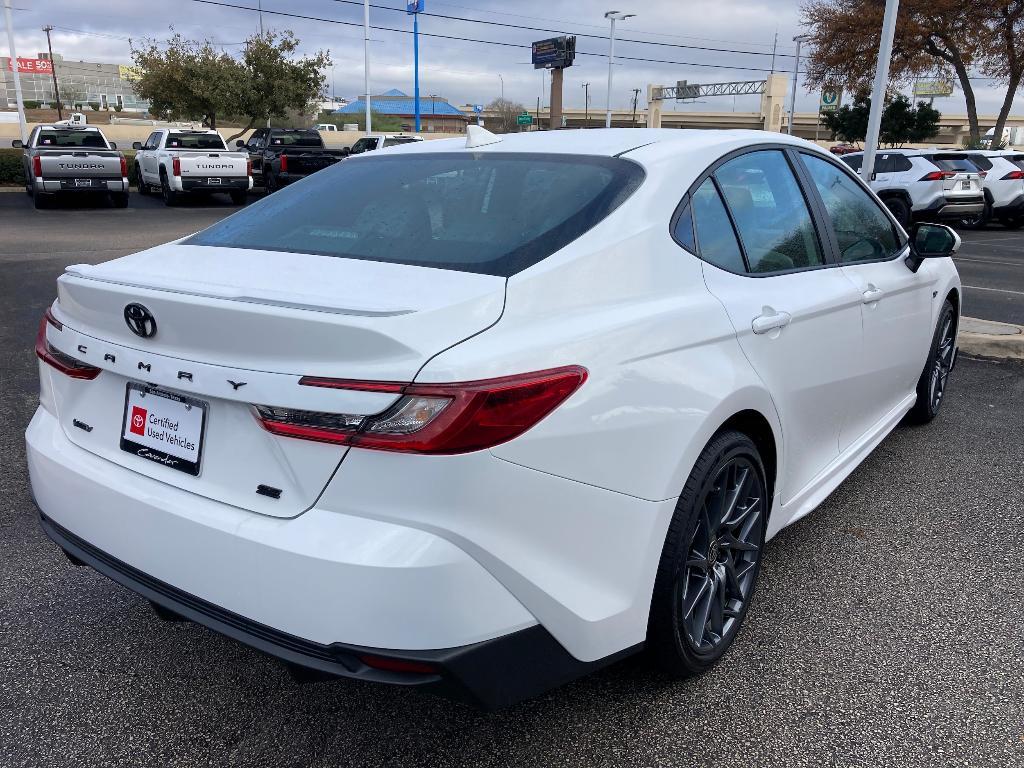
[183, 162]
[382, 141]
[917, 188]
[1004, 187]
[484, 414]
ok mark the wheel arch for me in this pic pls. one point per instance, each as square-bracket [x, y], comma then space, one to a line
[756, 426]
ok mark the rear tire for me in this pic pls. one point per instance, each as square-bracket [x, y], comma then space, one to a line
[239, 196]
[931, 387]
[711, 558]
[1014, 222]
[169, 195]
[899, 209]
[142, 185]
[40, 201]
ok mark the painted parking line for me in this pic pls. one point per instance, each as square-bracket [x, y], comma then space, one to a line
[996, 290]
[989, 261]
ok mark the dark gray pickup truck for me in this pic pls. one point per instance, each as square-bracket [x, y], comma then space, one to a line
[71, 159]
[281, 156]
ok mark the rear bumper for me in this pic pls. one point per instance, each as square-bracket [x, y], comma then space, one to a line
[54, 186]
[224, 183]
[946, 208]
[318, 590]
[490, 674]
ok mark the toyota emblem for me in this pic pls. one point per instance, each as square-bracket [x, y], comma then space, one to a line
[140, 320]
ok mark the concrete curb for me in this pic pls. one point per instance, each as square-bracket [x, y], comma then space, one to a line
[987, 338]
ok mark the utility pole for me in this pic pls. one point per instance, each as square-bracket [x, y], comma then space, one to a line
[14, 69]
[502, 79]
[775, 46]
[414, 7]
[366, 62]
[586, 105]
[612, 16]
[796, 73]
[867, 168]
[53, 71]
[636, 96]
[259, 7]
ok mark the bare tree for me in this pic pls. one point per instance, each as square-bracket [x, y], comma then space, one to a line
[507, 112]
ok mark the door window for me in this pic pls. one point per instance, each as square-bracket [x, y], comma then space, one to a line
[771, 215]
[863, 231]
[716, 238]
[153, 141]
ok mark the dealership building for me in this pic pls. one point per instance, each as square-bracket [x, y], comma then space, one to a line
[80, 82]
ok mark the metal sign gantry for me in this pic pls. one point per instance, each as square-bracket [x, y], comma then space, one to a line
[684, 90]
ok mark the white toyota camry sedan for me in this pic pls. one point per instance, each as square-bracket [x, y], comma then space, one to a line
[483, 414]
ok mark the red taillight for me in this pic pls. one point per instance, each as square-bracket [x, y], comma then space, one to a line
[52, 356]
[248, 167]
[124, 167]
[399, 665]
[1014, 176]
[433, 418]
[176, 166]
[284, 163]
[938, 175]
[37, 167]
[982, 174]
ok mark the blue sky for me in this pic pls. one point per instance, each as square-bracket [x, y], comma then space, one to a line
[467, 72]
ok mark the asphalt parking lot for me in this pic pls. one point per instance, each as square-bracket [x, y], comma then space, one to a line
[887, 629]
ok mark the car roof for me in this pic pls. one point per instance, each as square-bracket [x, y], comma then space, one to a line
[55, 127]
[612, 142]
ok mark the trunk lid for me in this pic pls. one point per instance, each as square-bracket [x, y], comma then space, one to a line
[240, 330]
[204, 164]
[80, 164]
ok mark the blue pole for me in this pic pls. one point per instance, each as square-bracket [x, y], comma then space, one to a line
[416, 65]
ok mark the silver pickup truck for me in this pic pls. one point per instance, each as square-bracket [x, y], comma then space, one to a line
[65, 159]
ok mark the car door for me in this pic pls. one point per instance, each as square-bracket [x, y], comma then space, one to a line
[255, 149]
[150, 165]
[895, 303]
[797, 317]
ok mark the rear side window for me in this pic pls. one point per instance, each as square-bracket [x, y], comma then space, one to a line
[71, 139]
[716, 238]
[492, 213]
[885, 163]
[394, 142]
[901, 163]
[774, 222]
[854, 161]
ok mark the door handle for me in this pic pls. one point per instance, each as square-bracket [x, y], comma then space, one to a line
[769, 320]
[872, 294]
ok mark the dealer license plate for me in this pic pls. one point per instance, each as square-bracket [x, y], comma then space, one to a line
[164, 427]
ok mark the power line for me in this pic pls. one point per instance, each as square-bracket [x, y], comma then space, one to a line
[564, 32]
[477, 40]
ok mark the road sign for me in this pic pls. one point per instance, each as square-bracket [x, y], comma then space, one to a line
[524, 119]
[830, 100]
[478, 108]
[932, 88]
[554, 53]
[414, 6]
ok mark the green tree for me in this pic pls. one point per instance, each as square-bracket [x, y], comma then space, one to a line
[274, 82]
[902, 122]
[187, 79]
[946, 38]
[193, 80]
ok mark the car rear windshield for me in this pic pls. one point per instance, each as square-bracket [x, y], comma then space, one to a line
[954, 163]
[76, 139]
[296, 139]
[195, 141]
[492, 213]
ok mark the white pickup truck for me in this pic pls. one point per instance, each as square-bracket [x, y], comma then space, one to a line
[182, 161]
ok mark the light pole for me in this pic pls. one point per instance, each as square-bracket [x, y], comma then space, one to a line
[502, 86]
[586, 105]
[867, 167]
[14, 70]
[366, 62]
[612, 16]
[796, 72]
[415, 7]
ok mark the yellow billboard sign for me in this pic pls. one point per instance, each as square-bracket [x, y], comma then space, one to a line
[128, 72]
[928, 88]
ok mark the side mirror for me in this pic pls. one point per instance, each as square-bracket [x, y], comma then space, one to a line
[931, 241]
[136, 145]
[17, 144]
[240, 143]
[113, 145]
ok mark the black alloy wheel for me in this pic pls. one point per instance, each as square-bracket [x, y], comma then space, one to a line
[711, 558]
[931, 387]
